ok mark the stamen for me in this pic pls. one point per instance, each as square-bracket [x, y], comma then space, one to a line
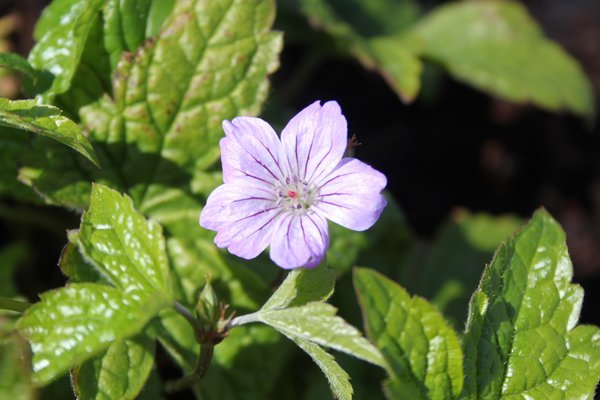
[291, 194]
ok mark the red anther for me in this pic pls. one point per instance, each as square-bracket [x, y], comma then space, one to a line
[291, 194]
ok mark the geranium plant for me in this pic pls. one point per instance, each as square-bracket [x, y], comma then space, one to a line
[142, 121]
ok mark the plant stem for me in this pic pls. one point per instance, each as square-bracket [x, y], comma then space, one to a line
[243, 319]
[202, 364]
[189, 318]
[13, 305]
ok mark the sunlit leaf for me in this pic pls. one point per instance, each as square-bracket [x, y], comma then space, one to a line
[123, 245]
[62, 35]
[302, 286]
[317, 322]
[47, 121]
[496, 46]
[119, 373]
[521, 338]
[75, 323]
[422, 351]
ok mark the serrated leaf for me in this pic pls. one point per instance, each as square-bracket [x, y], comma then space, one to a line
[302, 286]
[18, 63]
[520, 339]
[59, 49]
[338, 379]
[170, 97]
[45, 120]
[496, 46]
[422, 351]
[75, 323]
[123, 245]
[120, 373]
[317, 322]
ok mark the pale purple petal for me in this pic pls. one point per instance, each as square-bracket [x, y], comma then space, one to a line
[243, 216]
[252, 153]
[315, 140]
[299, 241]
[351, 195]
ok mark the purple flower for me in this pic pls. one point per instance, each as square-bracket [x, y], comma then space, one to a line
[281, 193]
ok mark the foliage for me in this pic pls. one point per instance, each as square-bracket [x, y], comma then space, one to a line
[124, 101]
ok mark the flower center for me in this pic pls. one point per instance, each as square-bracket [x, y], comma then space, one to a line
[296, 196]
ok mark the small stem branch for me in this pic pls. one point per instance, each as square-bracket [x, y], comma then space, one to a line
[13, 305]
[189, 318]
[202, 364]
[243, 320]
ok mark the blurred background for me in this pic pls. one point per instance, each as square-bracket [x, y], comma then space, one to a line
[458, 159]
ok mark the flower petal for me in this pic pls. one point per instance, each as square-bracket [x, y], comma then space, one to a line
[351, 195]
[315, 140]
[300, 241]
[251, 152]
[243, 216]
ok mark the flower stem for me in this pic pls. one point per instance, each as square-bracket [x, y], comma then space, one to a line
[202, 364]
[13, 305]
[243, 319]
[189, 318]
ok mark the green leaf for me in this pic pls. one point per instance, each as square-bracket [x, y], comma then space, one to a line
[317, 322]
[58, 51]
[18, 63]
[125, 26]
[45, 120]
[338, 379]
[119, 373]
[302, 286]
[75, 266]
[448, 270]
[422, 351]
[371, 32]
[162, 124]
[520, 339]
[15, 371]
[125, 247]
[75, 323]
[497, 47]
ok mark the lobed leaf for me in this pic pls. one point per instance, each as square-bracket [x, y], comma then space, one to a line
[123, 245]
[496, 46]
[73, 324]
[120, 373]
[521, 339]
[317, 322]
[422, 352]
[45, 120]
